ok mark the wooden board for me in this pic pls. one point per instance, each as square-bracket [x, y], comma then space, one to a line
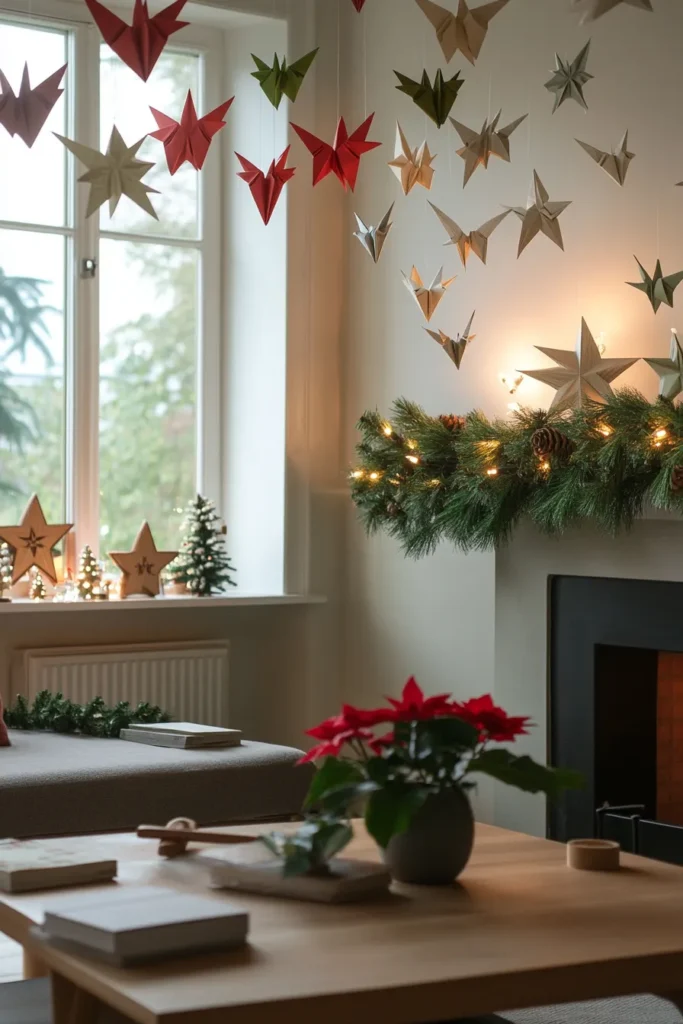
[520, 930]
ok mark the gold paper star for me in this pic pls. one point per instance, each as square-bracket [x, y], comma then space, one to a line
[670, 371]
[33, 541]
[412, 166]
[616, 163]
[113, 174]
[476, 241]
[481, 146]
[142, 565]
[540, 215]
[464, 31]
[594, 9]
[427, 298]
[581, 376]
[454, 347]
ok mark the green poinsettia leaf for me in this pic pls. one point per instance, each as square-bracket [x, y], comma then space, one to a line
[332, 774]
[389, 811]
[524, 773]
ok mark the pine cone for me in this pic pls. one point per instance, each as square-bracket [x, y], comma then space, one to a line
[393, 509]
[549, 441]
[454, 423]
[677, 479]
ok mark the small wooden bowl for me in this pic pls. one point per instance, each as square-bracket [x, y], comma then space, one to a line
[593, 855]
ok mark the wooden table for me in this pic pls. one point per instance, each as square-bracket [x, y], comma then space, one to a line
[520, 930]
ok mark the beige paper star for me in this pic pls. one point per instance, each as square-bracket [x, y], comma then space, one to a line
[427, 298]
[113, 174]
[142, 565]
[412, 166]
[476, 241]
[581, 376]
[372, 239]
[670, 371]
[540, 215]
[454, 347]
[33, 542]
[616, 163]
[464, 31]
[479, 147]
[594, 9]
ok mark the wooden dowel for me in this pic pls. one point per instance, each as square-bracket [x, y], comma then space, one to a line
[193, 835]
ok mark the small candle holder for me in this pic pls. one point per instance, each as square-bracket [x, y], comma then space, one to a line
[593, 855]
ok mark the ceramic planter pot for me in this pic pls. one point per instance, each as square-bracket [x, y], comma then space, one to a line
[437, 844]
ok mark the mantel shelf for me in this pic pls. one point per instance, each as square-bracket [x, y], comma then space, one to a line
[236, 600]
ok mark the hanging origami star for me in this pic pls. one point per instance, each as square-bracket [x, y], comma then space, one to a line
[435, 100]
[113, 174]
[358, 4]
[266, 188]
[373, 239]
[670, 371]
[476, 241]
[616, 163]
[141, 44]
[142, 565]
[540, 215]
[33, 542]
[188, 140]
[581, 376]
[343, 156]
[594, 9]
[464, 31]
[25, 113]
[569, 79]
[412, 166]
[481, 146]
[281, 80]
[659, 289]
[454, 347]
[427, 298]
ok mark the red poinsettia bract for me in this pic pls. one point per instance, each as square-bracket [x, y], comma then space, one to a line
[492, 722]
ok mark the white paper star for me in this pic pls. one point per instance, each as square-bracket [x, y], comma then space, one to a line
[373, 239]
[540, 215]
[454, 347]
[616, 163]
[476, 241]
[670, 371]
[412, 166]
[594, 9]
[464, 31]
[479, 147]
[427, 298]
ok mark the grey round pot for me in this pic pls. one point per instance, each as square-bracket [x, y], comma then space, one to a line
[437, 844]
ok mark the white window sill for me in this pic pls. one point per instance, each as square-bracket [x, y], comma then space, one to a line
[236, 600]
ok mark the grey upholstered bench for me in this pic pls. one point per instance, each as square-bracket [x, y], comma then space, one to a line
[58, 785]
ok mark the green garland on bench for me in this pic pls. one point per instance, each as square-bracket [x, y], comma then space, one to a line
[470, 480]
[52, 711]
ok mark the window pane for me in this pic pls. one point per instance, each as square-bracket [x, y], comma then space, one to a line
[125, 101]
[148, 310]
[31, 372]
[33, 179]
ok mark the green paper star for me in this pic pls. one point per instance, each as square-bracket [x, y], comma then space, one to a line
[569, 79]
[281, 80]
[659, 289]
[435, 100]
[670, 371]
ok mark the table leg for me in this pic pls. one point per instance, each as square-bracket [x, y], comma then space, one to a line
[70, 1004]
[33, 966]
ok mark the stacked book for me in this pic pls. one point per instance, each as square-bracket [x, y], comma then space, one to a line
[50, 864]
[183, 735]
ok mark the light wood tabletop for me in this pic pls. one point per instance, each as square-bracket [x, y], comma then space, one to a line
[521, 929]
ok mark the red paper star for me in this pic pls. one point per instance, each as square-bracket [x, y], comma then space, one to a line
[358, 4]
[26, 113]
[141, 44]
[343, 156]
[266, 188]
[189, 139]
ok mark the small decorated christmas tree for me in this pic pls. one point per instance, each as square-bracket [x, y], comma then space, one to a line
[88, 578]
[203, 564]
[37, 591]
[6, 562]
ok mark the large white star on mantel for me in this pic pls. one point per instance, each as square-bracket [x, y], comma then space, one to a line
[594, 9]
[581, 376]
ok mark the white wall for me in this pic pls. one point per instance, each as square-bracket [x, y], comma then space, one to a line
[436, 617]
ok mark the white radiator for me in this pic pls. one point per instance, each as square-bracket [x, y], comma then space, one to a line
[189, 680]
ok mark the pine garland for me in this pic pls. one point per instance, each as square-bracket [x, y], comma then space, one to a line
[423, 479]
[55, 713]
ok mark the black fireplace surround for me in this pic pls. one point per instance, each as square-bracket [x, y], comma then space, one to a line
[605, 637]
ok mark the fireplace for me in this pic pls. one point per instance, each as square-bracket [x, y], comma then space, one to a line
[616, 701]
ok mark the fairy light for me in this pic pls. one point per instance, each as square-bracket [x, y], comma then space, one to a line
[357, 474]
[544, 466]
[605, 430]
[374, 477]
[387, 430]
[413, 458]
[492, 472]
[412, 445]
[435, 483]
[660, 436]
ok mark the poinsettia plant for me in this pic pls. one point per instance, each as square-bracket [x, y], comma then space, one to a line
[388, 760]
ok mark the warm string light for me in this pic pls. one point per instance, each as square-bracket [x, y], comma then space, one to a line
[605, 430]
[544, 466]
[413, 459]
[492, 472]
[659, 437]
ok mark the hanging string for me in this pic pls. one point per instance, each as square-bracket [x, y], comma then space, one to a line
[365, 66]
[490, 92]
[338, 60]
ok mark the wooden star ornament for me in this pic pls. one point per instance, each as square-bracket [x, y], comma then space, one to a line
[581, 376]
[33, 542]
[142, 565]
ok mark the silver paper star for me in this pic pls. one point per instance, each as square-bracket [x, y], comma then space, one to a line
[427, 298]
[412, 166]
[581, 376]
[454, 347]
[594, 9]
[373, 239]
[113, 174]
[616, 163]
[569, 79]
[479, 147]
[464, 31]
[476, 241]
[540, 215]
[670, 371]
